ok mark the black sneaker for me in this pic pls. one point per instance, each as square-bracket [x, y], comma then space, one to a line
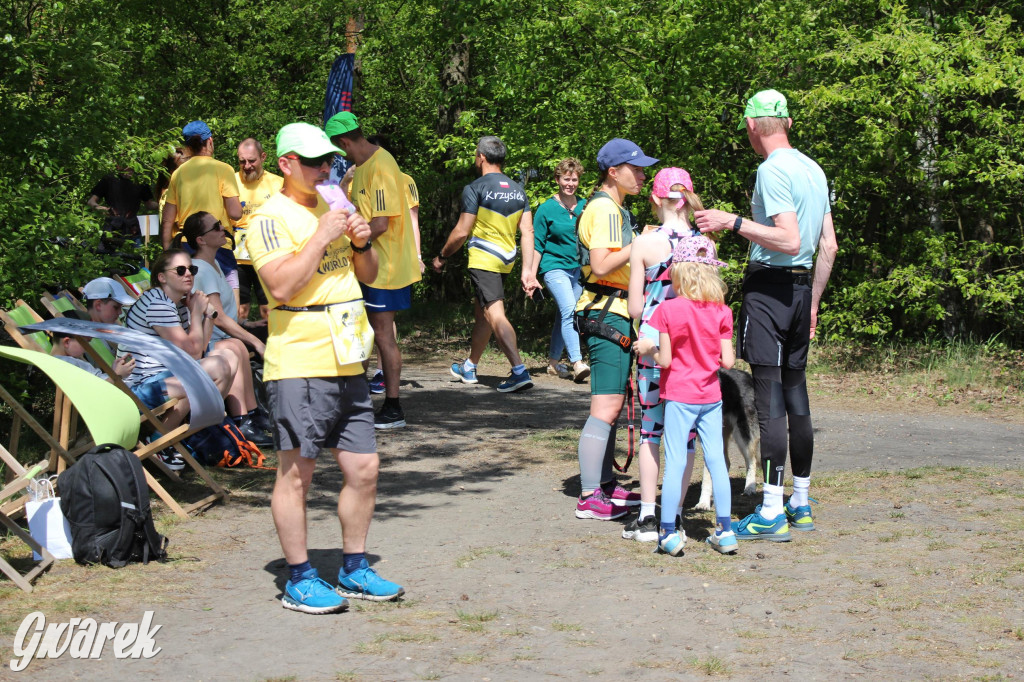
[642, 530]
[261, 420]
[254, 433]
[389, 418]
[172, 460]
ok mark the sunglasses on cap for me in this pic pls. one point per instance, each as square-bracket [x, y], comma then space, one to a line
[315, 162]
[180, 270]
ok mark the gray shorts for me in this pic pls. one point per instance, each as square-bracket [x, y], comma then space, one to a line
[322, 412]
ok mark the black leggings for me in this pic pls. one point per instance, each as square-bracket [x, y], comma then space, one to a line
[779, 393]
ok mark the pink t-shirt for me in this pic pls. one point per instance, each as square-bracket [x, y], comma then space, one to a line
[696, 329]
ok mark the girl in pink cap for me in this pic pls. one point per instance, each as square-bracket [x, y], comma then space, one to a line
[694, 340]
[673, 201]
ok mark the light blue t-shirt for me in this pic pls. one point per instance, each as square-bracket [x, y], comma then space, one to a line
[210, 280]
[788, 181]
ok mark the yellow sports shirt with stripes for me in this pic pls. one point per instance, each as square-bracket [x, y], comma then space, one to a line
[412, 195]
[378, 190]
[601, 227]
[299, 344]
[252, 195]
[498, 204]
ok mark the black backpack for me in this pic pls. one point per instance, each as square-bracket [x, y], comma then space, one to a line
[223, 445]
[105, 499]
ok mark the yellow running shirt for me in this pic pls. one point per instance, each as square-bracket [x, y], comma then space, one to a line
[299, 344]
[201, 184]
[601, 228]
[378, 191]
[412, 195]
[252, 195]
[498, 204]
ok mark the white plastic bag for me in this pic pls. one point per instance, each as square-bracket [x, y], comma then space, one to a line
[46, 522]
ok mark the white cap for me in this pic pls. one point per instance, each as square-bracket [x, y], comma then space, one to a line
[105, 287]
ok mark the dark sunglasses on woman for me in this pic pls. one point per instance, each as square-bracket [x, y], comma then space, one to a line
[180, 270]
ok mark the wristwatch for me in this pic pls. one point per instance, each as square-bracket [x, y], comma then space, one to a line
[364, 248]
[736, 225]
[212, 316]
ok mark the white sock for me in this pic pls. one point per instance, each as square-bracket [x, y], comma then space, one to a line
[772, 504]
[468, 366]
[646, 509]
[800, 488]
[519, 369]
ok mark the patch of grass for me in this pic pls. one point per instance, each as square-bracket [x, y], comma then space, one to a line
[481, 617]
[710, 666]
[285, 678]
[519, 656]
[559, 626]
[896, 515]
[560, 442]
[378, 644]
[480, 553]
[346, 676]
[469, 659]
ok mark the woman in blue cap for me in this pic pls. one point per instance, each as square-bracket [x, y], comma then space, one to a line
[605, 234]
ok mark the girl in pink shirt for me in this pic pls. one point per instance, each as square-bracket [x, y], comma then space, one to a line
[695, 340]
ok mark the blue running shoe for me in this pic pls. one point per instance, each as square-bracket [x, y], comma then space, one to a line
[364, 583]
[723, 543]
[516, 382]
[377, 383]
[312, 595]
[459, 371]
[799, 517]
[756, 527]
[672, 543]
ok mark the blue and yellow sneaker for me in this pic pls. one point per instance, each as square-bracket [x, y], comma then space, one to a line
[799, 517]
[756, 527]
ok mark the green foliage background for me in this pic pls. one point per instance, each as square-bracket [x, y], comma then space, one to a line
[912, 109]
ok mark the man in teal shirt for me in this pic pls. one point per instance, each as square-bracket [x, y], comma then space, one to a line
[792, 219]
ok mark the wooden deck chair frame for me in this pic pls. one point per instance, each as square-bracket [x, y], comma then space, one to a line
[17, 486]
[49, 302]
[26, 341]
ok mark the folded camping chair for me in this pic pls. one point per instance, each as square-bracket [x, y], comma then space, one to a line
[15, 491]
[137, 283]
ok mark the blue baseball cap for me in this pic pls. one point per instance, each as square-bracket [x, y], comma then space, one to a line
[619, 151]
[197, 128]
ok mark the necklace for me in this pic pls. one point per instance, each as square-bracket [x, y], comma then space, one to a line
[570, 209]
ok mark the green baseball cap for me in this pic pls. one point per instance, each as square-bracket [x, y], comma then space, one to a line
[342, 122]
[765, 103]
[305, 140]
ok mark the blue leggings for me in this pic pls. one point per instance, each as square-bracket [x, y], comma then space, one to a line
[680, 418]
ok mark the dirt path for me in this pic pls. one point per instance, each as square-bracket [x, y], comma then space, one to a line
[913, 574]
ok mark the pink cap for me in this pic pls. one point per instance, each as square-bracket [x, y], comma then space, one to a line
[697, 249]
[667, 177]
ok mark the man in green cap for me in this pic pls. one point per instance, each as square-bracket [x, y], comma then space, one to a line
[311, 260]
[792, 219]
[378, 191]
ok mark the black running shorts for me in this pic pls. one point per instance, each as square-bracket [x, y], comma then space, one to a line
[775, 321]
[489, 286]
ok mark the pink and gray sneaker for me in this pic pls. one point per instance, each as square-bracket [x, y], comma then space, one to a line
[598, 506]
[621, 497]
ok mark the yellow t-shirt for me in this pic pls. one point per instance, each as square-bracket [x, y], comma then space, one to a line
[252, 195]
[377, 191]
[412, 195]
[601, 228]
[299, 344]
[201, 184]
[498, 204]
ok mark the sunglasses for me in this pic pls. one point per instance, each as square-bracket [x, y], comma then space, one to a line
[217, 227]
[182, 269]
[316, 162]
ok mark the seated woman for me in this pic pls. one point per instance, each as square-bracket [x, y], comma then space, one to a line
[205, 235]
[167, 310]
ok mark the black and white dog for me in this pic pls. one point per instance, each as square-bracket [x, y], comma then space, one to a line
[739, 423]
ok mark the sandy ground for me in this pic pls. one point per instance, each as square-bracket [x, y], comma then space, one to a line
[914, 573]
